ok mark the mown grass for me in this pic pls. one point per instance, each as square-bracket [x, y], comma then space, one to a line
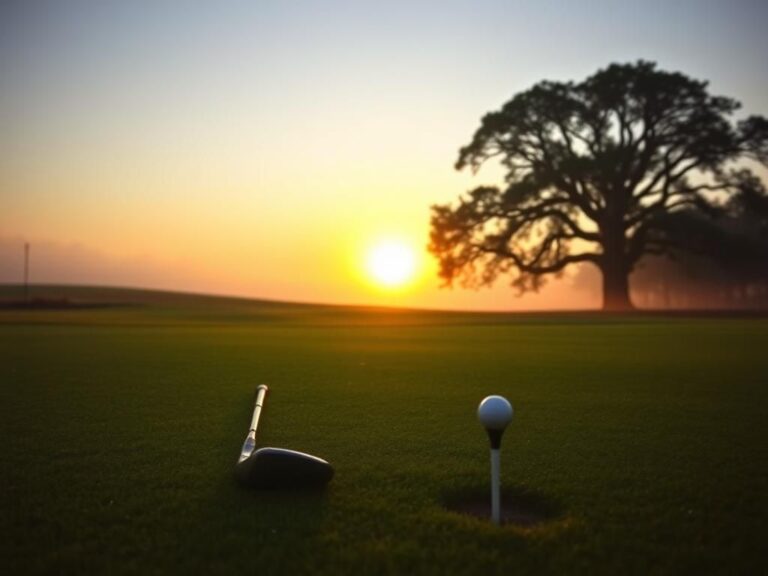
[121, 427]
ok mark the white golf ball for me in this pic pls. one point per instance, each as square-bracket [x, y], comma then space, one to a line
[494, 412]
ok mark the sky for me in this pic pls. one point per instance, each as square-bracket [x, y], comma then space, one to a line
[265, 148]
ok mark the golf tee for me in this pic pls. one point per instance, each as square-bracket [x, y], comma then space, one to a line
[495, 487]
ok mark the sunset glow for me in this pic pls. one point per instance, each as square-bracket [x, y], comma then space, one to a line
[392, 263]
[292, 151]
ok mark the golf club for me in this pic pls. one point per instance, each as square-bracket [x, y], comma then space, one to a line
[495, 413]
[272, 468]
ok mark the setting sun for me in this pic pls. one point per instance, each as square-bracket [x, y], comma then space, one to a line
[391, 263]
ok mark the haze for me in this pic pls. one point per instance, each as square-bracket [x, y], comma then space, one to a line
[261, 148]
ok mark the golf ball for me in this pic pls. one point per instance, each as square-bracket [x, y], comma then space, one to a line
[494, 412]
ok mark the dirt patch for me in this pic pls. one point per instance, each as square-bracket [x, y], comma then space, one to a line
[519, 507]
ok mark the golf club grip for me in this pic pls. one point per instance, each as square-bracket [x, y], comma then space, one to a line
[261, 394]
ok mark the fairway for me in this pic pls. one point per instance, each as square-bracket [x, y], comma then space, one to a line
[121, 427]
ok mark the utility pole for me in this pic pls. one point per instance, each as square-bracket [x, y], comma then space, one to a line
[26, 271]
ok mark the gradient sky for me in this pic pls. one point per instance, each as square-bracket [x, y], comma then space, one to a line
[260, 148]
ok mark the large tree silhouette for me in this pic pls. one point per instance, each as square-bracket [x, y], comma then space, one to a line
[591, 170]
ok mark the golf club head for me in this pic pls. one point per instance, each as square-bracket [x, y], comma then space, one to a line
[272, 468]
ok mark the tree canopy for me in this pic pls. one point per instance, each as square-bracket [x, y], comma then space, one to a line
[592, 170]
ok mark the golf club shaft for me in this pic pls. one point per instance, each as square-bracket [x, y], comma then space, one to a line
[250, 441]
[495, 487]
[261, 393]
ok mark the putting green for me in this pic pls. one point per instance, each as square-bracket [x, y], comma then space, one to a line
[121, 427]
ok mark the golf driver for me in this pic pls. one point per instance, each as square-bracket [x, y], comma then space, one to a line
[277, 467]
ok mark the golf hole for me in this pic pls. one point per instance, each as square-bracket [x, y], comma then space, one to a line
[519, 507]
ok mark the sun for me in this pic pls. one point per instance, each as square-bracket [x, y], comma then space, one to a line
[391, 263]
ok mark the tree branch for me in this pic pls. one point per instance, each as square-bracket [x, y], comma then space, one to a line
[530, 268]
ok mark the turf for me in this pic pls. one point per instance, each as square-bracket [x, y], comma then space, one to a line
[121, 426]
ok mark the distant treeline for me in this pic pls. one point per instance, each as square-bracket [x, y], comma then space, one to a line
[721, 262]
[720, 259]
[695, 282]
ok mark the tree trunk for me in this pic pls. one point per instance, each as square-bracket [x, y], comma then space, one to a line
[616, 290]
[615, 270]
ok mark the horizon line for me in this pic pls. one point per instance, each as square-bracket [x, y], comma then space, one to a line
[230, 296]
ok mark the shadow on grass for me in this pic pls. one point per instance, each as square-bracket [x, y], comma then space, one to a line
[299, 511]
[520, 506]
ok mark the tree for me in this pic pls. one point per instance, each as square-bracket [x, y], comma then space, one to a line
[591, 170]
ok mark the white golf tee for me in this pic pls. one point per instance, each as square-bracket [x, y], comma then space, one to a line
[495, 413]
[495, 487]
